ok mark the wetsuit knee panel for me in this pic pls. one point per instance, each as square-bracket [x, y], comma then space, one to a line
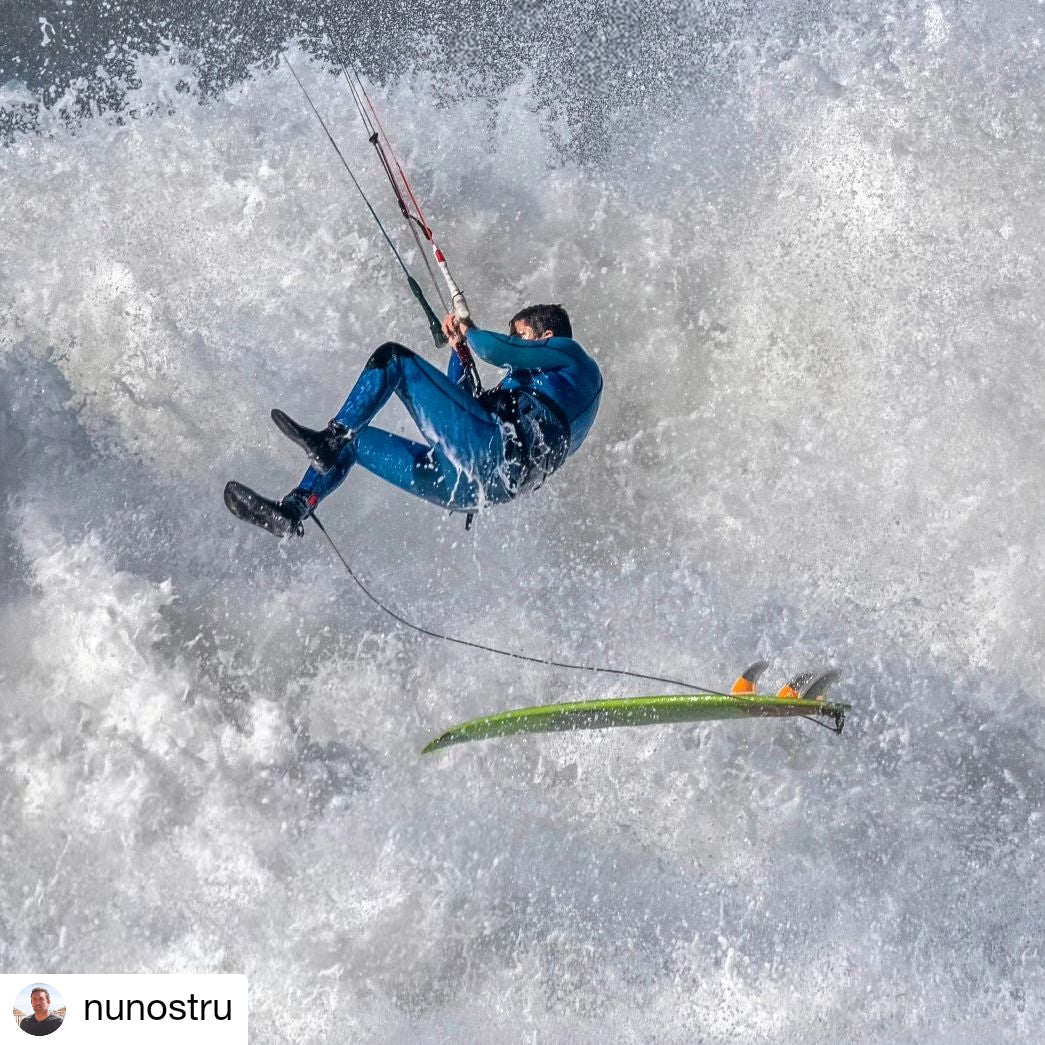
[387, 353]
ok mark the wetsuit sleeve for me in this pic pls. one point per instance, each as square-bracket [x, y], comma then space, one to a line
[454, 369]
[520, 354]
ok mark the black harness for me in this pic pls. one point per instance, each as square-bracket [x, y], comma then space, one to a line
[540, 438]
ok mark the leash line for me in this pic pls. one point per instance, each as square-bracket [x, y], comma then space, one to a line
[547, 661]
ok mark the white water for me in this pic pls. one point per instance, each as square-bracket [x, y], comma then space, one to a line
[814, 286]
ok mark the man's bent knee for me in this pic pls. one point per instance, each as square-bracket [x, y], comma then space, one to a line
[387, 353]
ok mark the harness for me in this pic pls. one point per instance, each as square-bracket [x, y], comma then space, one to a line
[540, 436]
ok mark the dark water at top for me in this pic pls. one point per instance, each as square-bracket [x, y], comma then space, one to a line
[588, 58]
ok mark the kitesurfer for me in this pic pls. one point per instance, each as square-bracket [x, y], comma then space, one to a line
[477, 450]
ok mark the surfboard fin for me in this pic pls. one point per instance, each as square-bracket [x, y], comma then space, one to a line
[808, 685]
[748, 681]
[817, 687]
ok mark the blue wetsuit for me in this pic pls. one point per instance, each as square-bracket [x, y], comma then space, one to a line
[478, 451]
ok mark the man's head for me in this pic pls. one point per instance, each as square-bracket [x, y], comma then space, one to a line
[40, 1000]
[539, 321]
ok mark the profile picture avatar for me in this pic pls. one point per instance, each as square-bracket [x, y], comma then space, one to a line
[45, 1014]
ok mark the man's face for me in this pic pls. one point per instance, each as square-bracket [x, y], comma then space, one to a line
[522, 329]
[39, 1002]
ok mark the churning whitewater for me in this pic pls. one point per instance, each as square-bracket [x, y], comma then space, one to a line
[804, 245]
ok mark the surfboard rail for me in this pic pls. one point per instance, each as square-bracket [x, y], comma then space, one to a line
[616, 712]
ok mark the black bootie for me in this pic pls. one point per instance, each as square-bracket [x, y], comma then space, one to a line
[282, 518]
[322, 447]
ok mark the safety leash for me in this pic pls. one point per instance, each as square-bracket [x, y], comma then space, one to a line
[547, 661]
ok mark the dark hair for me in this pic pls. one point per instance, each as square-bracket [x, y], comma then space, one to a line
[41, 990]
[543, 318]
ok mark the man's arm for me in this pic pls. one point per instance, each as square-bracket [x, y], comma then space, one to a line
[455, 369]
[521, 354]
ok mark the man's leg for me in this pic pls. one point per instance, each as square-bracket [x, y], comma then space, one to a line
[460, 467]
[446, 414]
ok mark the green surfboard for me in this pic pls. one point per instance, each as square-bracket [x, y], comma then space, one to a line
[638, 711]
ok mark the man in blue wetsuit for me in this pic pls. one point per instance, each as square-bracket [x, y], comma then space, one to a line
[477, 450]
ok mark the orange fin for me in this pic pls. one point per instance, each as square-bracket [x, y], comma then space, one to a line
[749, 680]
[808, 685]
[792, 689]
